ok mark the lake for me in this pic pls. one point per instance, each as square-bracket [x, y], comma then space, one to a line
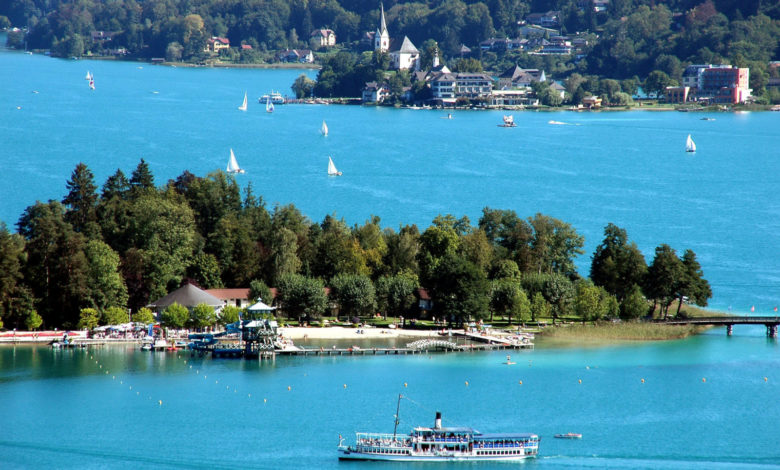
[408, 166]
[704, 404]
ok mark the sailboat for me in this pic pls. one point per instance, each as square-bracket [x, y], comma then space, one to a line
[332, 171]
[324, 128]
[232, 166]
[89, 76]
[243, 105]
[269, 107]
[690, 146]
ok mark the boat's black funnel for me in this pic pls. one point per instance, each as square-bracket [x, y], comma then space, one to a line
[437, 423]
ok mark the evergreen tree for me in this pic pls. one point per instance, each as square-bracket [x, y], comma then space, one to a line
[81, 200]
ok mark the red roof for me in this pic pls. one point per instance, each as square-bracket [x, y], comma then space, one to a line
[226, 294]
[246, 46]
[423, 294]
[222, 40]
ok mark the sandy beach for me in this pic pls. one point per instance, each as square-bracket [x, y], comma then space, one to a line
[338, 332]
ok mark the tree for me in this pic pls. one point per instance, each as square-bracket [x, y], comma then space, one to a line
[33, 321]
[301, 296]
[395, 294]
[12, 257]
[175, 316]
[284, 253]
[303, 86]
[81, 200]
[204, 268]
[88, 319]
[229, 314]
[104, 281]
[554, 245]
[355, 295]
[114, 316]
[540, 308]
[657, 82]
[142, 179]
[258, 290]
[202, 315]
[634, 304]
[692, 283]
[507, 298]
[663, 276]
[173, 52]
[617, 265]
[144, 315]
[460, 290]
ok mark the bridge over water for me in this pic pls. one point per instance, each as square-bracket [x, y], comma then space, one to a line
[729, 322]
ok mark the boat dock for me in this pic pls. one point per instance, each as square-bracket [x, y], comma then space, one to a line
[418, 347]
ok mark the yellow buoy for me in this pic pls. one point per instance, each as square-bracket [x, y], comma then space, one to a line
[579, 381]
[345, 385]
[467, 383]
[643, 380]
[160, 402]
[289, 388]
[765, 379]
[703, 379]
[405, 385]
[520, 382]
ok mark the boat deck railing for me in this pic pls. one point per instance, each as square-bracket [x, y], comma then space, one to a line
[382, 440]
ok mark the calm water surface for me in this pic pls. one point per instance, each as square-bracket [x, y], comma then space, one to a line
[101, 408]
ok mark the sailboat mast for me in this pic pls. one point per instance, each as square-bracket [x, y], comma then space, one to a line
[397, 411]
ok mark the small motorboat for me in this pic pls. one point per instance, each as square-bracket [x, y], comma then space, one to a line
[569, 435]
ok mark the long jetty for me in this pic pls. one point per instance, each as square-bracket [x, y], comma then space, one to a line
[729, 322]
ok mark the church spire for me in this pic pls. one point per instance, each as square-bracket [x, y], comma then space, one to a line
[382, 36]
[382, 23]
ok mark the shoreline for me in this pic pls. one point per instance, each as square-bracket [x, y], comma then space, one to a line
[338, 333]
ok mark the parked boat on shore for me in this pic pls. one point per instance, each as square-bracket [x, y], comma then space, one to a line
[439, 444]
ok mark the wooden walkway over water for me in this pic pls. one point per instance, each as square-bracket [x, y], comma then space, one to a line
[398, 351]
[729, 322]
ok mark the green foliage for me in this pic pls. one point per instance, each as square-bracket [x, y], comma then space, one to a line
[88, 319]
[204, 268]
[301, 296]
[175, 316]
[395, 294]
[634, 305]
[540, 308]
[229, 314]
[508, 298]
[258, 290]
[104, 279]
[663, 276]
[81, 200]
[460, 290]
[12, 257]
[355, 295]
[202, 315]
[617, 264]
[144, 315]
[33, 321]
[303, 86]
[114, 316]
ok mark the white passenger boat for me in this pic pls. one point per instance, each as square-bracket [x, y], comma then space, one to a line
[274, 97]
[439, 444]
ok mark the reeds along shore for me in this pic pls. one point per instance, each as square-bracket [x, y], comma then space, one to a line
[627, 331]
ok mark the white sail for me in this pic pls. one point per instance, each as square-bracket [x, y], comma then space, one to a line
[232, 166]
[269, 107]
[332, 171]
[89, 76]
[690, 146]
[243, 105]
[324, 128]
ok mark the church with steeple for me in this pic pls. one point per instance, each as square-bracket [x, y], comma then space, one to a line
[403, 54]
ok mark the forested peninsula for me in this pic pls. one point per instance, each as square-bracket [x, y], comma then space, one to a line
[130, 242]
[628, 42]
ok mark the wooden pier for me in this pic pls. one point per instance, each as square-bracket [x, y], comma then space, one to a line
[771, 323]
[398, 351]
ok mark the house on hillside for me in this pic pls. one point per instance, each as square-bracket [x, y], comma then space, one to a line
[374, 92]
[516, 77]
[303, 56]
[403, 54]
[324, 37]
[216, 44]
[549, 19]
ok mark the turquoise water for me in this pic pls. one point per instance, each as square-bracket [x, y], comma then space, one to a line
[101, 408]
[408, 166]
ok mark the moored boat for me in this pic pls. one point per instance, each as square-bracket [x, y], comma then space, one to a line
[569, 435]
[438, 444]
[274, 97]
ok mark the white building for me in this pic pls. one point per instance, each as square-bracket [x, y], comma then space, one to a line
[407, 57]
[382, 36]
